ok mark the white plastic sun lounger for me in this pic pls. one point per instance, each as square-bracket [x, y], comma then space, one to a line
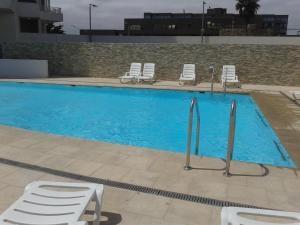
[229, 75]
[40, 205]
[296, 95]
[148, 73]
[188, 74]
[233, 216]
[135, 71]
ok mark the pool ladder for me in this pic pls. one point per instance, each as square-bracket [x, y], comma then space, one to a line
[194, 104]
[231, 136]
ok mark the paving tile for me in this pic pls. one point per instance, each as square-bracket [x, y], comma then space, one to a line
[137, 162]
[148, 205]
[165, 167]
[5, 170]
[173, 182]
[269, 183]
[120, 218]
[291, 185]
[9, 195]
[247, 195]
[65, 149]
[147, 220]
[24, 142]
[57, 162]
[111, 158]
[183, 212]
[83, 167]
[115, 199]
[21, 177]
[111, 172]
[143, 178]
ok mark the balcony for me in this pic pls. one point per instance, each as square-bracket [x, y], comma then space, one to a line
[53, 14]
[7, 5]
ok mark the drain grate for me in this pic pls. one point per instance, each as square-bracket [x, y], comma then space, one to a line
[127, 186]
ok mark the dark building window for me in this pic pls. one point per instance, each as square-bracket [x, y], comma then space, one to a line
[28, 25]
[31, 1]
[1, 52]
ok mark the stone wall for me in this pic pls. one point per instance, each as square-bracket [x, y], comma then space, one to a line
[257, 64]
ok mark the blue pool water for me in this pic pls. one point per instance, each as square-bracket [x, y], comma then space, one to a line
[155, 119]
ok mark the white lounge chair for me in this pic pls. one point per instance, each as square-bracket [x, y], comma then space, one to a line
[134, 72]
[229, 76]
[40, 205]
[296, 95]
[233, 216]
[188, 74]
[148, 73]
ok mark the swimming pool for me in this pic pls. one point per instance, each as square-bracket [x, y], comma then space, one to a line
[156, 119]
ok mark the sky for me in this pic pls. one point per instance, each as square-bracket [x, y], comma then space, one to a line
[110, 14]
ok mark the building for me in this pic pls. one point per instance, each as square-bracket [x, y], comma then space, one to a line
[26, 16]
[217, 22]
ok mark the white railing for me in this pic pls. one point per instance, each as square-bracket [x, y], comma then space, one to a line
[55, 10]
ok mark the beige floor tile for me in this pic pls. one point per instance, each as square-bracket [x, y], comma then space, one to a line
[5, 170]
[165, 167]
[120, 218]
[111, 158]
[65, 149]
[83, 167]
[247, 195]
[9, 195]
[115, 199]
[50, 177]
[173, 182]
[21, 177]
[24, 142]
[147, 220]
[137, 162]
[57, 162]
[183, 212]
[45, 145]
[208, 189]
[148, 205]
[269, 183]
[141, 177]
[291, 185]
[216, 216]
[111, 172]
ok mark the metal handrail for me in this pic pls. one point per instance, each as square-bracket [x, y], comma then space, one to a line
[231, 137]
[225, 83]
[212, 70]
[194, 104]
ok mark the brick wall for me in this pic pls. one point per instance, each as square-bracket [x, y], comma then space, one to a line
[257, 64]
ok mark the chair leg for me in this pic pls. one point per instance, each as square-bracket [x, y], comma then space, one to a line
[98, 200]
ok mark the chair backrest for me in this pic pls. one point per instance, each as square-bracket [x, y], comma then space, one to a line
[135, 69]
[188, 70]
[149, 70]
[229, 72]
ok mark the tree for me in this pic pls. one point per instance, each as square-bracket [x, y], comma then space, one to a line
[53, 29]
[247, 9]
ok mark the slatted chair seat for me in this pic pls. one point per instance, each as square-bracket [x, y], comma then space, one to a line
[229, 75]
[148, 73]
[134, 72]
[188, 73]
[42, 206]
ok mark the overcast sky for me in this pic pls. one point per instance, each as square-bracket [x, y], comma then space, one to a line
[111, 13]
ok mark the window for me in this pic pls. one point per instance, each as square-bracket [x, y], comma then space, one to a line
[31, 1]
[135, 27]
[29, 25]
[172, 27]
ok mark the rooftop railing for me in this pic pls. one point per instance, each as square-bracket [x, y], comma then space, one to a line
[56, 10]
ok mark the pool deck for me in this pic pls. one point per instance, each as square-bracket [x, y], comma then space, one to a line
[157, 169]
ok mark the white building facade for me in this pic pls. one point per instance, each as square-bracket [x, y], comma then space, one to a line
[26, 16]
